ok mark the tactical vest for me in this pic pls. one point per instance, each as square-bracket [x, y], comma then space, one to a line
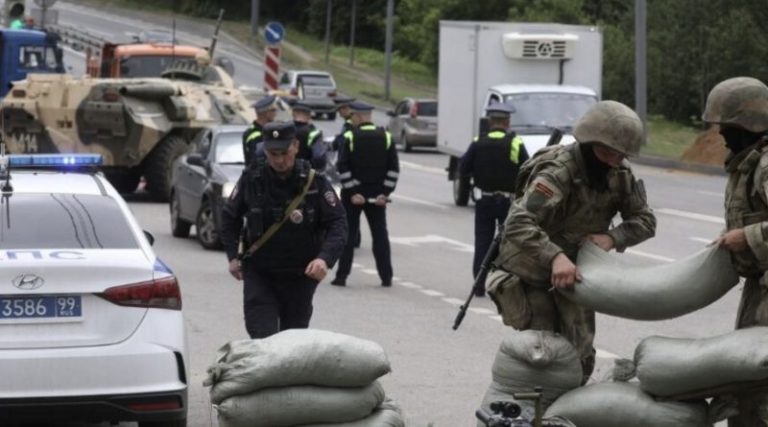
[745, 203]
[368, 147]
[295, 244]
[497, 156]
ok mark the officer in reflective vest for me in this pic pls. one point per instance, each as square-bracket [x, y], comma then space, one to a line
[295, 230]
[493, 160]
[368, 169]
[311, 145]
[342, 106]
[266, 110]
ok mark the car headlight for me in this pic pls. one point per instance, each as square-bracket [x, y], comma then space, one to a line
[226, 189]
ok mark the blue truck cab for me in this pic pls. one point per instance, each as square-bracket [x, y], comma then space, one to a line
[27, 51]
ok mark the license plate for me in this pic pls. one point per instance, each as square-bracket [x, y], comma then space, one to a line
[41, 307]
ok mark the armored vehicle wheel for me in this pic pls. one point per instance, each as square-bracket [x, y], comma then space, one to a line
[207, 233]
[159, 164]
[461, 190]
[124, 182]
[179, 227]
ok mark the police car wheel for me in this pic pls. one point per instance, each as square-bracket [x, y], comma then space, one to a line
[179, 227]
[461, 191]
[207, 233]
[406, 146]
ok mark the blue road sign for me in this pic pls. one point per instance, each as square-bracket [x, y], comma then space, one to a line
[274, 32]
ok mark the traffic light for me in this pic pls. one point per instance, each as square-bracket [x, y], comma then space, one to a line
[14, 14]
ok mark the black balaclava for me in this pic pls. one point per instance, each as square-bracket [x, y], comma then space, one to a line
[597, 171]
[738, 139]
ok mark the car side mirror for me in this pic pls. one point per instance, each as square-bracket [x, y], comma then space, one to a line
[149, 237]
[391, 113]
[196, 159]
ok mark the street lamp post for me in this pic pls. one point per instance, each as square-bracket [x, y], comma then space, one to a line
[352, 34]
[388, 48]
[328, 12]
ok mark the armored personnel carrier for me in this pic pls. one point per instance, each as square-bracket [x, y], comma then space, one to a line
[139, 126]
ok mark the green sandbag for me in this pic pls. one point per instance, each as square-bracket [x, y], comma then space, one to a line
[295, 357]
[625, 405]
[298, 405]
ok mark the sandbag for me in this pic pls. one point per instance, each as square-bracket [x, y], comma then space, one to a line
[388, 414]
[671, 366]
[528, 359]
[297, 405]
[625, 405]
[613, 284]
[295, 357]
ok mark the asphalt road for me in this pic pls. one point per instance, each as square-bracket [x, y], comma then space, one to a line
[438, 375]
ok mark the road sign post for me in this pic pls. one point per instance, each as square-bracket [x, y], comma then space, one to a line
[273, 34]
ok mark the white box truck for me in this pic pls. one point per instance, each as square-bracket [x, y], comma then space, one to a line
[550, 73]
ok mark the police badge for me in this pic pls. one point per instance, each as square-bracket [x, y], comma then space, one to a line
[296, 216]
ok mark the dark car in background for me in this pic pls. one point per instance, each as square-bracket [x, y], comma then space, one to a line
[413, 123]
[315, 88]
[203, 179]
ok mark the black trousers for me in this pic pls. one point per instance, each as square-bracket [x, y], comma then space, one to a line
[272, 305]
[489, 211]
[377, 221]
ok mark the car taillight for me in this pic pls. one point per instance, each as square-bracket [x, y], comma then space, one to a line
[162, 293]
[294, 91]
[414, 110]
[332, 94]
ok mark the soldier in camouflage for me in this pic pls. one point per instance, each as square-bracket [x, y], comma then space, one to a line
[740, 107]
[572, 195]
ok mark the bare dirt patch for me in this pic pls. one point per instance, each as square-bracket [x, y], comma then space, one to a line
[708, 148]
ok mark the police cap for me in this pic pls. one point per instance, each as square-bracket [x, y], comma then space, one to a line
[360, 107]
[279, 135]
[343, 101]
[265, 103]
[499, 110]
[301, 106]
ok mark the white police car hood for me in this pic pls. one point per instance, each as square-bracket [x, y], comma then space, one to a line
[33, 282]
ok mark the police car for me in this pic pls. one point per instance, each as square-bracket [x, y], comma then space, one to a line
[91, 325]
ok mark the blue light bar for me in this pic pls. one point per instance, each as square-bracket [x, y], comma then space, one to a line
[54, 160]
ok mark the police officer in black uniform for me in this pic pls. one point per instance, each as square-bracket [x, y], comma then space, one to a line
[342, 106]
[493, 160]
[311, 145]
[295, 231]
[368, 169]
[266, 109]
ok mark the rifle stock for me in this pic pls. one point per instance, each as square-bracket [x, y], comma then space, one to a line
[493, 250]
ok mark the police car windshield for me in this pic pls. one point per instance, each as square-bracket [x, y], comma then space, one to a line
[63, 221]
[229, 148]
[548, 110]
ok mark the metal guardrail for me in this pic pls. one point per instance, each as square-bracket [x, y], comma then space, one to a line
[78, 39]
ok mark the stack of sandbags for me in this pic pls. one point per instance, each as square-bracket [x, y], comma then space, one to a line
[613, 284]
[301, 377]
[529, 359]
[678, 366]
[625, 405]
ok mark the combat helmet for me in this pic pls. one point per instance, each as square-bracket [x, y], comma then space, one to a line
[739, 101]
[613, 124]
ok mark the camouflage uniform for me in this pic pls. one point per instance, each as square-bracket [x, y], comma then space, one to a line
[742, 103]
[557, 211]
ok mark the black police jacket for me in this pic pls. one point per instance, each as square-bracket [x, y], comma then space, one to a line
[368, 162]
[317, 229]
[493, 160]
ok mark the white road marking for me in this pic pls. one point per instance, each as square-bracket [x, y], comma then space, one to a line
[418, 201]
[712, 193]
[395, 279]
[690, 215]
[410, 285]
[647, 255]
[422, 168]
[453, 301]
[702, 240]
[433, 238]
[497, 318]
[482, 310]
[432, 293]
[602, 354]
[356, 265]
[370, 271]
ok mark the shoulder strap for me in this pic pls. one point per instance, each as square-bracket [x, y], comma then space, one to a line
[276, 226]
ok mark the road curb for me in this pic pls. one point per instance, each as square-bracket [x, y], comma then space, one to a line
[663, 162]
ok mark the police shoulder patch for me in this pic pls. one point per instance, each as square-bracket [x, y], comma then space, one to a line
[331, 198]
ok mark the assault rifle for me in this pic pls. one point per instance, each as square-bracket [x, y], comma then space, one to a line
[480, 278]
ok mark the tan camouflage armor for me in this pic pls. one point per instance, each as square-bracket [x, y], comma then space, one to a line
[558, 210]
[742, 102]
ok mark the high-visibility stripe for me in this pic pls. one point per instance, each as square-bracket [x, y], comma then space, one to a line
[312, 136]
[368, 127]
[349, 136]
[393, 174]
[252, 136]
[389, 183]
[514, 153]
[345, 175]
[389, 139]
[347, 184]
